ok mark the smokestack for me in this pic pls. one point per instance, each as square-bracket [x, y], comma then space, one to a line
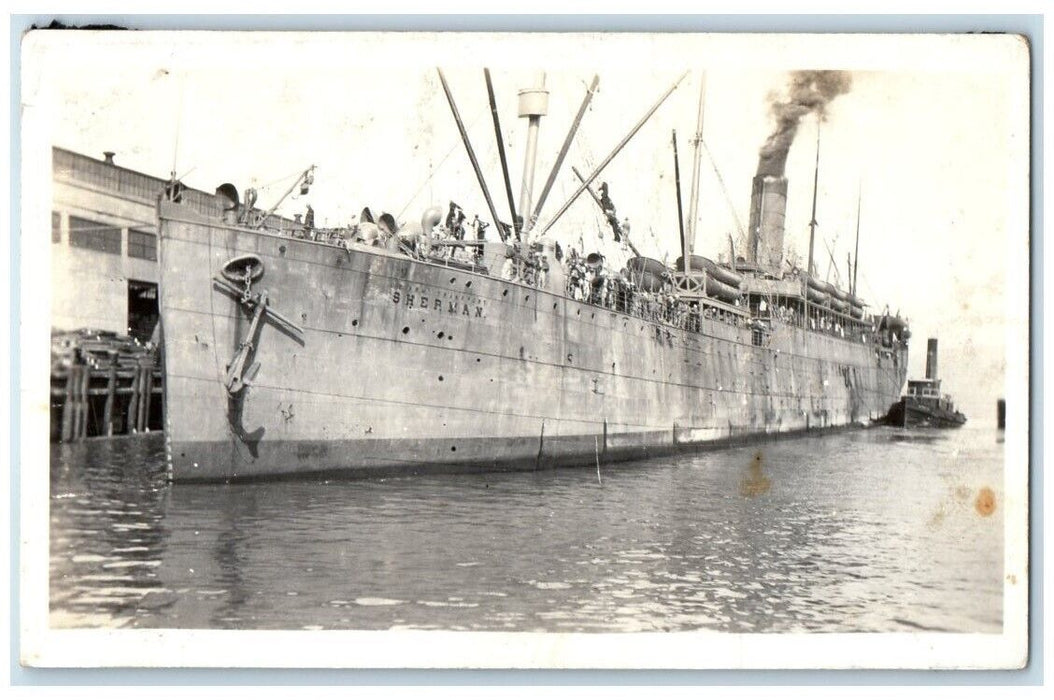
[108, 155]
[931, 358]
[768, 204]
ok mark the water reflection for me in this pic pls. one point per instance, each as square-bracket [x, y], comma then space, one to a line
[855, 532]
[107, 529]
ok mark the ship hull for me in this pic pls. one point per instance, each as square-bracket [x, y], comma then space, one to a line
[407, 367]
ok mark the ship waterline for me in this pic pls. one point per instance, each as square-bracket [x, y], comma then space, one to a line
[408, 366]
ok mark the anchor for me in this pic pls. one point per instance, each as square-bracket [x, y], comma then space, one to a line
[237, 376]
[246, 269]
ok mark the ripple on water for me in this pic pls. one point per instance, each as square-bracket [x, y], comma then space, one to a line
[373, 602]
[837, 544]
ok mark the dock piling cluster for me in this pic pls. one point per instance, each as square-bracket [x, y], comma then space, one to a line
[103, 385]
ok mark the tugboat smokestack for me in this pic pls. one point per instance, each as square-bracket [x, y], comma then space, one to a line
[931, 358]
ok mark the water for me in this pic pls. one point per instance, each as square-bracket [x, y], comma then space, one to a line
[869, 530]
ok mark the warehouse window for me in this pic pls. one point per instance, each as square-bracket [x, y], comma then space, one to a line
[56, 227]
[142, 244]
[85, 233]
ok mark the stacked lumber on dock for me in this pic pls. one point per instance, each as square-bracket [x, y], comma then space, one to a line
[103, 383]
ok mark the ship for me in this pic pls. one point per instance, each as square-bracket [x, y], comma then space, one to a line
[295, 352]
[923, 405]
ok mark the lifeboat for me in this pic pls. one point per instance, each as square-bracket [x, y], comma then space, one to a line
[819, 292]
[893, 323]
[648, 274]
[816, 296]
[719, 272]
[717, 289]
[856, 306]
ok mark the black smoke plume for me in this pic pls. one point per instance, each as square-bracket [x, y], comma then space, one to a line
[809, 92]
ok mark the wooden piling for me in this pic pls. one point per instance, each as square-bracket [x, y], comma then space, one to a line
[148, 396]
[85, 398]
[133, 404]
[78, 407]
[144, 375]
[111, 389]
[75, 402]
[67, 408]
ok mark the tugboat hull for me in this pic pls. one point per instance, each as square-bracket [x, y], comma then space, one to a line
[908, 413]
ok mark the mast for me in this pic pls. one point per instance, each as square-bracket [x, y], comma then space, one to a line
[501, 152]
[815, 185]
[856, 252]
[471, 155]
[563, 152]
[693, 202]
[589, 180]
[685, 244]
[534, 104]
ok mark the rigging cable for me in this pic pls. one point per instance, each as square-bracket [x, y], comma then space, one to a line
[724, 190]
[457, 144]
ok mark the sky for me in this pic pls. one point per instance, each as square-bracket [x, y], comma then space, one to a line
[932, 136]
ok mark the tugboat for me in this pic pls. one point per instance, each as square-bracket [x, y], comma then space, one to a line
[923, 405]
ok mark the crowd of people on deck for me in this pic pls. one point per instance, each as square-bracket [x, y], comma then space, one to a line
[588, 281]
[454, 238]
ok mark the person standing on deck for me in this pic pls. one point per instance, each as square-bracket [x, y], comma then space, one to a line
[508, 270]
